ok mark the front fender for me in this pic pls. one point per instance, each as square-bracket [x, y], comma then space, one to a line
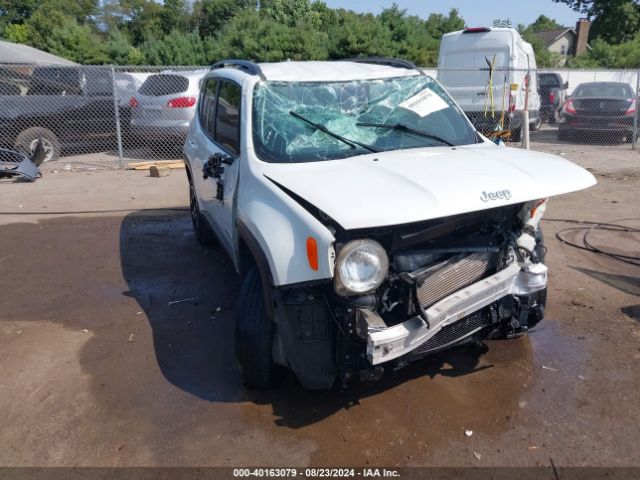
[281, 227]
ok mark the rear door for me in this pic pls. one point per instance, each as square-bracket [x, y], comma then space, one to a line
[492, 48]
[464, 68]
[457, 70]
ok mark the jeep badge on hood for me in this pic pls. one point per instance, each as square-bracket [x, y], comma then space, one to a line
[500, 194]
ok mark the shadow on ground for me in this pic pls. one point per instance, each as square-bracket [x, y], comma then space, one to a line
[193, 337]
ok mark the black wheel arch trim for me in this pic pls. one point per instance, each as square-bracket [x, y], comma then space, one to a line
[263, 266]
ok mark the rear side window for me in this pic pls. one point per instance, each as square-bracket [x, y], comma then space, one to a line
[99, 82]
[615, 90]
[207, 107]
[55, 81]
[159, 85]
[227, 133]
[549, 81]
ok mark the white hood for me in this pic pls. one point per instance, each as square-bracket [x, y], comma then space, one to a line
[405, 186]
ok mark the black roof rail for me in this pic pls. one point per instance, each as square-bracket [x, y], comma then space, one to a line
[246, 66]
[391, 62]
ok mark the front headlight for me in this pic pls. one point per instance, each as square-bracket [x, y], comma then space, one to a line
[361, 267]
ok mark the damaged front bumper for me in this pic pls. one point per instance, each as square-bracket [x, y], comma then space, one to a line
[385, 344]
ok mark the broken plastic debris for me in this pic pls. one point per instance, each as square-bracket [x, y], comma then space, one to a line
[131, 338]
[218, 309]
[582, 377]
[173, 302]
[550, 368]
[477, 455]
[18, 332]
[533, 447]
[468, 433]
[138, 313]
[84, 330]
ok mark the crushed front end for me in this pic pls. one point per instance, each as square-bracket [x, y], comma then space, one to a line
[448, 281]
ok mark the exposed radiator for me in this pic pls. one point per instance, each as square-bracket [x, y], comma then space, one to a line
[438, 281]
[456, 332]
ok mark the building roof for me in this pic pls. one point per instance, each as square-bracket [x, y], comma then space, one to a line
[14, 53]
[549, 36]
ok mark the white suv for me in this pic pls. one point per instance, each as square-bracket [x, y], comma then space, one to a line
[371, 223]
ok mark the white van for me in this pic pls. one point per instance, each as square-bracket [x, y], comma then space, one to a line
[463, 69]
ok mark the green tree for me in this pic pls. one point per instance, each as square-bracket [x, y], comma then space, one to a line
[142, 19]
[16, 33]
[605, 55]
[213, 15]
[543, 23]
[290, 12]
[410, 36]
[250, 36]
[177, 48]
[438, 24]
[357, 35]
[118, 48]
[616, 21]
[14, 12]
[172, 15]
[57, 33]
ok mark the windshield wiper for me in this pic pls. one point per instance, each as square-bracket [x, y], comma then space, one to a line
[324, 129]
[405, 128]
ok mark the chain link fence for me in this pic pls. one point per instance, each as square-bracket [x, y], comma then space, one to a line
[106, 117]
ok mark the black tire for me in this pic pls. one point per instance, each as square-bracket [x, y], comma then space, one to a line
[28, 139]
[201, 228]
[254, 334]
[535, 126]
[516, 135]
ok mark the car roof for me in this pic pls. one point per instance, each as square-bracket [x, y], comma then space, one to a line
[182, 73]
[603, 83]
[320, 71]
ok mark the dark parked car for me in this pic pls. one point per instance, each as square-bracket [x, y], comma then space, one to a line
[553, 93]
[70, 107]
[599, 107]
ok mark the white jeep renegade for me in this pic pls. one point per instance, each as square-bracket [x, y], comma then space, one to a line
[371, 223]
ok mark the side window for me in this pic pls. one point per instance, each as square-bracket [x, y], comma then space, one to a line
[99, 82]
[227, 133]
[207, 107]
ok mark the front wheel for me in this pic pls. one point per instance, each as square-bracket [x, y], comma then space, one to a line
[254, 334]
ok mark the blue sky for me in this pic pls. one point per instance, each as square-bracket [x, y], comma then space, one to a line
[475, 12]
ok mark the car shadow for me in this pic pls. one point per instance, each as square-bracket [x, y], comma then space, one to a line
[295, 407]
[188, 295]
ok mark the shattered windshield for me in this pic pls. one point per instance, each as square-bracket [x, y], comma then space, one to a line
[310, 121]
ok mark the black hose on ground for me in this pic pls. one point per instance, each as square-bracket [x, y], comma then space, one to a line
[587, 228]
